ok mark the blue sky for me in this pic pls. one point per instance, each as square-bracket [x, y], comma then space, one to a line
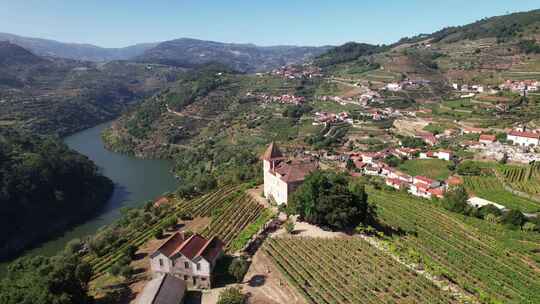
[117, 23]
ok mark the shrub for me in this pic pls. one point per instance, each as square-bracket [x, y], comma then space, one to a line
[289, 226]
[238, 268]
[158, 233]
[513, 218]
[231, 295]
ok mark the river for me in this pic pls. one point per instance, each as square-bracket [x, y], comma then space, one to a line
[136, 181]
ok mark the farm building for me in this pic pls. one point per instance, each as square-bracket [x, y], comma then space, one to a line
[192, 259]
[164, 289]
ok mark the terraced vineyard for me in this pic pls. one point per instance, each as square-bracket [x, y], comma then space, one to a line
[490, 188]
[238, 211]
[349, 271]
[234, 215]
[496, 264]
[525, 179]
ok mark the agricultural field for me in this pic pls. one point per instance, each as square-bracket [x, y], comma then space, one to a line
[432, 168]
[490, 188]
[349, 271]
[496, 264]
[525, 179]
[230, 210]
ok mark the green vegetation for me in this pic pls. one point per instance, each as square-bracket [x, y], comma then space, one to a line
[523, 178]
[348, 52]
[330, 199]
[495, 264]
[349, 271]
[432, 168]
[45, 187]
[245, 235]
[61, 279]
[232, 295]
[489, 188]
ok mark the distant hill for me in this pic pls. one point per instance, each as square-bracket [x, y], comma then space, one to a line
[77, 51]
[186, 52]
[57, 95]
[14, 54]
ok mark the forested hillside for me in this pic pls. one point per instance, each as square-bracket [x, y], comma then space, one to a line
[44, 187]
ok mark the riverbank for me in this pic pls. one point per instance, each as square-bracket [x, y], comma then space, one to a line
[135, 182]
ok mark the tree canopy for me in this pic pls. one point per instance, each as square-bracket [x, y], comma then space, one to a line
[331, 199]
[44, 186]
[46, 280]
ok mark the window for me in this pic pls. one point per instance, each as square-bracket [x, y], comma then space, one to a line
[161, 262]
[194, 280]
[186, 278]
[186, 265]
[198, 266]
[203, 279]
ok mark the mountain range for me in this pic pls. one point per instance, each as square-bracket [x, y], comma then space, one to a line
[183, 52]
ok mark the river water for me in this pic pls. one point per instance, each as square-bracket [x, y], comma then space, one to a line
[136, 181]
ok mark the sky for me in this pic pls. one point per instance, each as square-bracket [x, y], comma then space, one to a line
[119, 23]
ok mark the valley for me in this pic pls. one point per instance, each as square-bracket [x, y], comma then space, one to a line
[362, 173]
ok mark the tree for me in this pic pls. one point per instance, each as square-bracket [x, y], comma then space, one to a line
[329, 199]
[513, 218]
[158, 233]
[350, 165]
[455, 199]
[238, 268]
[412, 142]
[130, 251]
[468, 167]
[127, 272]
[231, 295]
[289, 226]
[59, 279]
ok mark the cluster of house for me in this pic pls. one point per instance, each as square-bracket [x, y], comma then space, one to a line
[283, 99]
[465, 88]
[405, 84]
[370, 163]
[326, 117]
[295, 71]
[521, 86]
[362, 99]
[181, 262]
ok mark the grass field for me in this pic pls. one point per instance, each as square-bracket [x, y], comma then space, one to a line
[349, 271]
[488, 187]
[496, 264]
[432, 168]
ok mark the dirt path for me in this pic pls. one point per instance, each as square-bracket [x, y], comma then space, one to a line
[266, 285]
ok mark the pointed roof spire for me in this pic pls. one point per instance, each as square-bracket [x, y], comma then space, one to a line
[272, 152]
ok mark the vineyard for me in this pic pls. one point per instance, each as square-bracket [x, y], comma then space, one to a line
[495, 264]
[490, 188]
[525, 179]
[230, 208]
[345, 271]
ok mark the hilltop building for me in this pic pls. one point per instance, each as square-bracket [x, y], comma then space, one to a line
[282, 177]
[192, 259]
[524, 138]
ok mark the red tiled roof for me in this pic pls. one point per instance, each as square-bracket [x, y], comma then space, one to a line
[295, 171]
[421, 187]
[272, 152]
[525, 134]
[193, 247]
[161, 201]
[424, 179]
[169, 246]
[488, 137]
[437, 192]
[395, 181]
[454, 180]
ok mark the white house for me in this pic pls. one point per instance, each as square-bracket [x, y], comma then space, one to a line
[524, 138]
[192, 259]
[444, 155]
[394, 87]
[282, 177]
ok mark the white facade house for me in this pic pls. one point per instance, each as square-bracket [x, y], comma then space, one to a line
[524, 138]
[282, 177]
[192, 259]
[394, 87]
